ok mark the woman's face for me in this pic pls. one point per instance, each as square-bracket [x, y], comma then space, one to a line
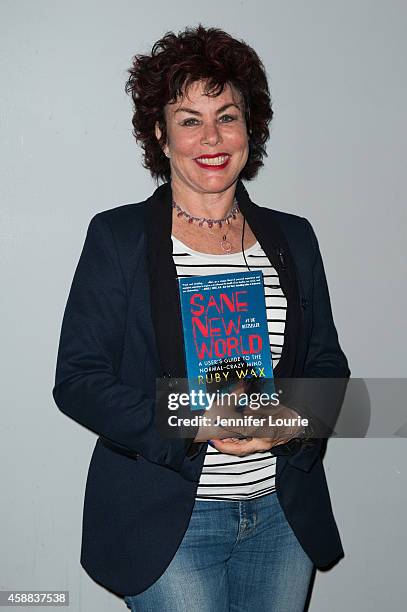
[207, 141]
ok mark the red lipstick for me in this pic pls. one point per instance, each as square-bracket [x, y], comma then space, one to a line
[212, 166]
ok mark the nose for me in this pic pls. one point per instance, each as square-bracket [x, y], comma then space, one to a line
[211, 134]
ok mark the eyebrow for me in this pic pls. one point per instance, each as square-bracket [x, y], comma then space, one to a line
[194, 112]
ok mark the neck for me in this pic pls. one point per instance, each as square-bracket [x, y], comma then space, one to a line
[209, 205]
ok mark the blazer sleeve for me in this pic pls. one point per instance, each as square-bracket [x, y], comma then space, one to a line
[87, 384]
[319, 394]
[325, 358]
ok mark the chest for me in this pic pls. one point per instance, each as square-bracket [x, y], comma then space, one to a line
[208, 240]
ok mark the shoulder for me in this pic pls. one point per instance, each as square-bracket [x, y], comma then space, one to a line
[124, 223]
[122, 215]
[119, 233]
[297, 230]
[289, 221]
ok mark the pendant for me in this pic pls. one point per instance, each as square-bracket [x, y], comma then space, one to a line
[225, 245]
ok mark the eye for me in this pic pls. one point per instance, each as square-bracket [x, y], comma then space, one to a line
[189, 122]
[227, 118]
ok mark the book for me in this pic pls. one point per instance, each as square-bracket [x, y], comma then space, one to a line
[225, 330]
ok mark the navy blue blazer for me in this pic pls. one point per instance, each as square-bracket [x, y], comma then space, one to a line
[116, 341]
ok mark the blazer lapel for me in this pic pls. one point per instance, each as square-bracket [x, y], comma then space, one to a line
[165, 301]
[267, 230]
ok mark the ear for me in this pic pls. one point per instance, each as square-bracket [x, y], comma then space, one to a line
[158, 134]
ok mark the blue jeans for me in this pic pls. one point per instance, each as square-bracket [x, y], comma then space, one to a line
[236, 556]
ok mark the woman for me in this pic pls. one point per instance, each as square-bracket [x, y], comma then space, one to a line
[178, 524]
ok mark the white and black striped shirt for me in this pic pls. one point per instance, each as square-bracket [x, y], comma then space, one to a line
[227, 477]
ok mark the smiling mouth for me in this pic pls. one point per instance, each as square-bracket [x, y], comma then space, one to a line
[220, 161]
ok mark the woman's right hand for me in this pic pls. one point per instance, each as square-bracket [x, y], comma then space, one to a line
[227, 412]
[209, 432]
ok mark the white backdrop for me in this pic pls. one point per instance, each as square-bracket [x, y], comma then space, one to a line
[337, 156]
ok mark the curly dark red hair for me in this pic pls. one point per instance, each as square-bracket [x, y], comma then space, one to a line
[175, 62]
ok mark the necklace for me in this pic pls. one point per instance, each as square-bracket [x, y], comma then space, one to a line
[224, 243]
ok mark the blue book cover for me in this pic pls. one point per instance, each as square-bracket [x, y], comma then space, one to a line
[225, 328]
